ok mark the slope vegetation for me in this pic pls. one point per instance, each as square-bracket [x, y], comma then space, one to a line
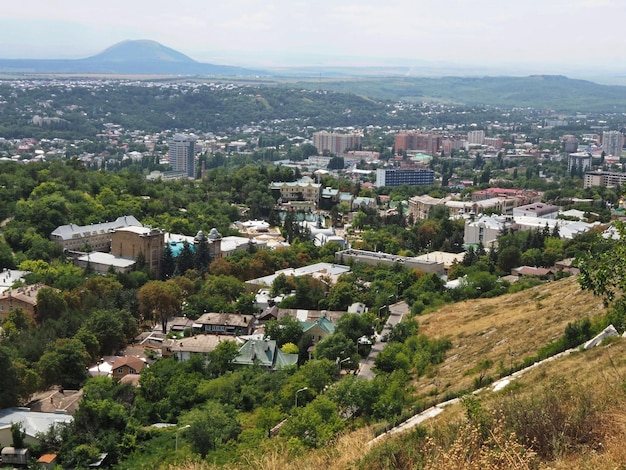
[582, 395]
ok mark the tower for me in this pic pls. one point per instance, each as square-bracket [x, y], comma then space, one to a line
[612, 143]
[182, 154]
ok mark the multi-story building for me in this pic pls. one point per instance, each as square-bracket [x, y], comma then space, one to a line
[24, 298]
[604, 178]
[305, 189]
[182, 154]
[335, 143]
[130, 242]
[415, 140]
[420, 206]
[95, 237]
[450, 144]
[495, 142]
[579, 160]
[398, 177]
[612, 143]
[569, 144]
[476, 137]
[538, 210]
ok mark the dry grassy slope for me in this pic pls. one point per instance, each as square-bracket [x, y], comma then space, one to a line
[504, 330]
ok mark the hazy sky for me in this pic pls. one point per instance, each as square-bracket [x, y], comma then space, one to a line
[327, 32]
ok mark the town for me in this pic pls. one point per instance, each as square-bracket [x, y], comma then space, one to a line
[204, 268]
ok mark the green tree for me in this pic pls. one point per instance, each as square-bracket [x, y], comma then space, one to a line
[336, 346]
[50, 304]
[604, 272]
[210, 426]
[9, 392]
[316, 424]
[285, 330]
[64, 363]
[158, 301]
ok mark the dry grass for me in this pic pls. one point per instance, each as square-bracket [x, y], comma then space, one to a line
[279, 454]
[503, 331]
[597, 375]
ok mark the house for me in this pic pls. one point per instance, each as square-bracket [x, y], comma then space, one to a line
[270, 313]
[24, 298]
[533, 271]
[33, 423]
[184, 348]
[264, 353]
[318, 329]
[225, 324]
[127, 365]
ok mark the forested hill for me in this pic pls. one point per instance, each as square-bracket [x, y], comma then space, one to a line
[206, 108]
[537, 91]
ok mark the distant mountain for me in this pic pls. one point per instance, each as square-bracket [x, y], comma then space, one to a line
[142, 50]
[139, 57]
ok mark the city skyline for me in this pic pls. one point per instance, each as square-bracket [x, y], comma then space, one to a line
[538, 37]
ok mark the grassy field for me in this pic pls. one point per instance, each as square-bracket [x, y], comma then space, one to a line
[490, 336]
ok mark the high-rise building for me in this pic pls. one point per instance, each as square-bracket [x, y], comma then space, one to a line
[182, 154]
[476, 137]
[415, 140]
[612, 143]
[398, 177]
[335, 143]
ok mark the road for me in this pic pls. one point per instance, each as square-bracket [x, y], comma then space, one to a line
[396, 312]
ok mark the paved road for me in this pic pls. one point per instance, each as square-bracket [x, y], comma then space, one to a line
[396, 312]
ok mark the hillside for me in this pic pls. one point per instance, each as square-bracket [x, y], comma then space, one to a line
[555, 92]
[502, 330]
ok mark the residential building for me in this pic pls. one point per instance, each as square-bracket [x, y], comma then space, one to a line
[95, 237]
[399, 177]
[318, 329]
[24, 298]
[126, 365]
[335, 143]
[415, 140]
[495, 142]
[569, 144]
[130, 242]
[264, 353]
[225, 324]
[476, 137]
[609, 179]
[579, 160]
[183, 349]
[182, 154]
[612, 143]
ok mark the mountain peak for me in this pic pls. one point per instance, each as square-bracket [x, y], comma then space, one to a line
[142, 50]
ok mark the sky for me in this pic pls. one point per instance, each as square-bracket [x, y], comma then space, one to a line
[545, 34]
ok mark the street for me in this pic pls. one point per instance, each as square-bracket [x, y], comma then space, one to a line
[396, 313]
